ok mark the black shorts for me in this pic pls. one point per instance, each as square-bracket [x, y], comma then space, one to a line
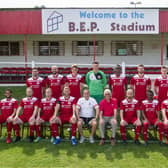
[86, 120]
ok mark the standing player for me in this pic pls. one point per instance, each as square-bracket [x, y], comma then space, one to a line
[29, 105]
[161, 85]
[8, 107]
[46, 107]
[151, 116]
[75, 82]
[56, 82]
[165, 117]
[96, 81]
[85, 112]
[118, 84]
[108, 114]
[37, 84]
[66, 107]
[140, 83]
[130, 114]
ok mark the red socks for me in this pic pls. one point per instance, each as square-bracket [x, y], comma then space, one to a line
[17, 129]
[137, 132]
[32, 129]
[9, 129]
[38, 130]
[123, 132]
[54, 130]
[161, 128]
[74, 127]
[145, 130]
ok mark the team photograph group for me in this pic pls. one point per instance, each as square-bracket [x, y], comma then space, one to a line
[92, 101]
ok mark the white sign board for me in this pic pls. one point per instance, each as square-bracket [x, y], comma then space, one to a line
[100, 21]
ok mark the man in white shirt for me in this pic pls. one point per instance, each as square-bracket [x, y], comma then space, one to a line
[85, 112]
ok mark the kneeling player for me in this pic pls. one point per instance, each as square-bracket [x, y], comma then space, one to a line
[151, 115]
[165, 117]
[30, 107]
[46, 106]
[85, 112]
[8, 107]
[130, 114]
[66, 106]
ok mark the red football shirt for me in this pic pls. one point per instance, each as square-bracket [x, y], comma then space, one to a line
[28, 105]
[47, 106]
[108, 107]
[66, 104]
[165, 106]
[162, 83]
[37, 84]
[118, 84]
[129, 108]
[140, 84]
[150, 108]
[7, 106]
[74, 84]
[55, 82]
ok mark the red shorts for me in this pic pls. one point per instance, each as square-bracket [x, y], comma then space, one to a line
[65, 120]
[152, 121]
[46, 117]
[130, 120]
[24, 118]
[3, 118]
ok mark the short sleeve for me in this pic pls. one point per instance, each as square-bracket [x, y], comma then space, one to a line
[36, 103]
[110, 81]
[101, 106]
[74, 101]
[82, 79]
[0, 104]
[21, 103]
[27, 83]
[125, 81]
[58, 101]
[132, 82]
[78, 105]
[121, 106]
[115, 106]
[156, 82]
[15, 104]
[163, 105]
[149, 81]
[158, 107]
[95, 103]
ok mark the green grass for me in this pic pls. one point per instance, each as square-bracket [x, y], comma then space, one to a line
[46, 155]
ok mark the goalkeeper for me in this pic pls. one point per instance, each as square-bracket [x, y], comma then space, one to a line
[96, 81]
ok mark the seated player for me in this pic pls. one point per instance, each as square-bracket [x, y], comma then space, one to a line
[66, 106]
[165, 117]
[8, 107]
[108, 114]
[29, 105]
[46, 107]
[151, 115]
[85, 112]
[130, 114]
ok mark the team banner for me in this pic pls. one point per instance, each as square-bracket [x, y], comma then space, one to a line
[100, 21]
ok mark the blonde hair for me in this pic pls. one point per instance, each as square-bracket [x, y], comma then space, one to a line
[107, 91]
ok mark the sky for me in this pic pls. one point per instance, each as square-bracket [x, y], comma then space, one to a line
[80, 3]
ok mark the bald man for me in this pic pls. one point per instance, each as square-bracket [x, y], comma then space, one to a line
[130, 114]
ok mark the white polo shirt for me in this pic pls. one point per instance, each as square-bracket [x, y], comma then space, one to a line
[87, 107]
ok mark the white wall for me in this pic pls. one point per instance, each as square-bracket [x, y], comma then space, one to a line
[150, 56]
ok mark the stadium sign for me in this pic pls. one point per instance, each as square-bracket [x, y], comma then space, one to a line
[100, 21]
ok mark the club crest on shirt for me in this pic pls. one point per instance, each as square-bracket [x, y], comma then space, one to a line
[92, 77]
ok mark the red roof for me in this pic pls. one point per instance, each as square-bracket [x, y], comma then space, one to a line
[30, 21]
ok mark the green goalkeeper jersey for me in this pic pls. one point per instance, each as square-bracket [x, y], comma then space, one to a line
[96, 83]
